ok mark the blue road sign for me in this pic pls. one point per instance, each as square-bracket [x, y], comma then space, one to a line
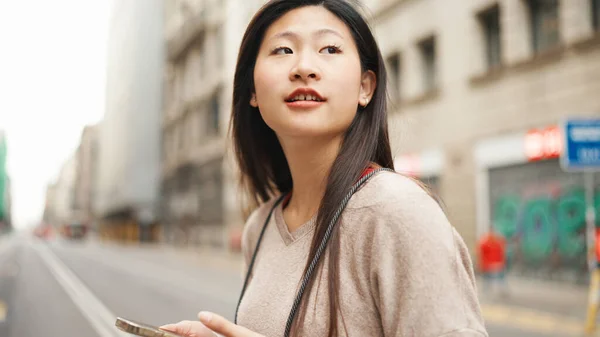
[581, 144]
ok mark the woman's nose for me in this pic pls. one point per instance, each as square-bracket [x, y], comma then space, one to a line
[305, 69]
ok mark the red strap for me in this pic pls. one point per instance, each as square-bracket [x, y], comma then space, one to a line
[286, 200]
[367, 171]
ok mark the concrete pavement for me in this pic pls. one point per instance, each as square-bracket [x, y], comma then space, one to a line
[71, 289]
[64, 288]
[540, 306]
[34, 302]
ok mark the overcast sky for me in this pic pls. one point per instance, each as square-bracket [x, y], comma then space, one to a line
[52, 71]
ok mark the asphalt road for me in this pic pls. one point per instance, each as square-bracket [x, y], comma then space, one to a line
[72, 289]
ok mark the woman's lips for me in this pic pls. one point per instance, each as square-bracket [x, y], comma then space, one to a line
[304, 105]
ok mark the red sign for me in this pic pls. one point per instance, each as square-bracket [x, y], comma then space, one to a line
[543, 144]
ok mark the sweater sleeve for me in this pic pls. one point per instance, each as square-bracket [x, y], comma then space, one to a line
[420, 271]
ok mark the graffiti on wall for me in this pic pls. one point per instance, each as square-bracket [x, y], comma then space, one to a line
[544, 228]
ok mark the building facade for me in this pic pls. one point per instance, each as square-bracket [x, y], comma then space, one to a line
[86, 174]
[63, 198]
[479, 90]
[199, 196]
[129, 137]
[49, 217]
[201, 203]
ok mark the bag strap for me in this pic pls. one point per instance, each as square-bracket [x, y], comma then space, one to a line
[316, 258]
[251, 265]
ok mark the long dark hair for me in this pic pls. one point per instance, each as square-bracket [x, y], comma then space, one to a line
[264, 169]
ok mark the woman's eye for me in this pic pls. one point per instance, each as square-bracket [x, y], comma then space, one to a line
[330, 50]
[282, 50]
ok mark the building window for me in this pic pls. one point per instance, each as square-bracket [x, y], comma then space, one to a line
[213, 119]
[544, 24]
[427, 49]
[215, 112]
[393, 62]
[596, 14]
[490, 23]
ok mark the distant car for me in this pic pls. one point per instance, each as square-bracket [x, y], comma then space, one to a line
[43, 232]
[75, 230]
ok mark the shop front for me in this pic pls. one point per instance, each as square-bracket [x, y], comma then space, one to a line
[525, 195]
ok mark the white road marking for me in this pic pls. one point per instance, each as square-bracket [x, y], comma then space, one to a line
[99, 316]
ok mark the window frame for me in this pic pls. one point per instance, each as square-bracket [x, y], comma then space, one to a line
[429, 69]
[537, 11]
[394, 64]
[489, 19]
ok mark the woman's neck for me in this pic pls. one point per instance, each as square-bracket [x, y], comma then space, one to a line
[310, 162]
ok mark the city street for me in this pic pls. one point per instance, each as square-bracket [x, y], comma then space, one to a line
[137, 137]
[62, 289]
[73, 289]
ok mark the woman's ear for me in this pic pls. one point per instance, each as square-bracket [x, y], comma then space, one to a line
[368, 84]
[253, 101]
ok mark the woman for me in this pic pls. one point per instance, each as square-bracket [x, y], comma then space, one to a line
[308, 124]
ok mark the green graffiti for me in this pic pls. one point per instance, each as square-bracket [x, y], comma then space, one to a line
[538, 229]
[506, 220]
[543, 226]
[570, 214]
[506, 215]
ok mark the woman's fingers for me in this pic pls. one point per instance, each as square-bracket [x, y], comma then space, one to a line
[189, 329]
[224, 327]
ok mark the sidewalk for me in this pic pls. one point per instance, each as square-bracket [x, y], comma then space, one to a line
[216, 258]
[539, 306]
[559, 298]
[203, 257]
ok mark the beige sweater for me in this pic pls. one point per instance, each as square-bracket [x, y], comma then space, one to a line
[404, 270]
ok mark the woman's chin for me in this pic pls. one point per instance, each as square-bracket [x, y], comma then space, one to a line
[309, 133]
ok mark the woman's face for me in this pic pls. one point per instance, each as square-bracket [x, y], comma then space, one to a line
[308, 79]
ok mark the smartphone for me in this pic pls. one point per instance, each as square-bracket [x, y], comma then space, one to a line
[140, 329]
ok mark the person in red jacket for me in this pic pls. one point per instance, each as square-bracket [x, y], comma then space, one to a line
[597, 247]
[492, 261]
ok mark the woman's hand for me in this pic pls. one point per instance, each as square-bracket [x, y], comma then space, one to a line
[208, 325]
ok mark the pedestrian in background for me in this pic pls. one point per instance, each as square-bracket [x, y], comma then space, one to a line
[492, 263]
[309, 126]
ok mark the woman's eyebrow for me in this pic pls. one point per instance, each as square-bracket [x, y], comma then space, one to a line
[325, 31]
[294, 36]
